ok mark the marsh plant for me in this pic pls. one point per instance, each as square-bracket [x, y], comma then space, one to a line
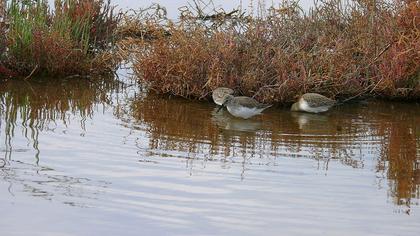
[73, 38]
[342, 49]
[2, 33]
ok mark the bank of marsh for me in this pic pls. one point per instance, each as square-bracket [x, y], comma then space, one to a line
[340, 49]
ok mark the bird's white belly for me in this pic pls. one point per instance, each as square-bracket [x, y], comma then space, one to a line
[304, 106]
[243, 112]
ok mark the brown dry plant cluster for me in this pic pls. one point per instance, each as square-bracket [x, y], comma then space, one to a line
[342, 49]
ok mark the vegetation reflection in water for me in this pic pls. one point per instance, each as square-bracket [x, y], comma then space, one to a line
[385, 131]
[38, 107]
[40, 103]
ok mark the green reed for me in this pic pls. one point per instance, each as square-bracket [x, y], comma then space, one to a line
[66, 40]
[25, 18]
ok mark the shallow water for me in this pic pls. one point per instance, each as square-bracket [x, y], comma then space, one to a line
[104, 158]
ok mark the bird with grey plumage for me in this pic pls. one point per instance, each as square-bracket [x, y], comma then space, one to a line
[313, 103]
[243, 107]
[219, 93]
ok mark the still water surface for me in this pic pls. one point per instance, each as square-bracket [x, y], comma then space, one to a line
[104, 158]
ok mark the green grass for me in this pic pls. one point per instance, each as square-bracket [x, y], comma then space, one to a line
[65, 41]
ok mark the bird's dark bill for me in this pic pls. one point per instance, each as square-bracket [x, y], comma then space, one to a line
[220, 108]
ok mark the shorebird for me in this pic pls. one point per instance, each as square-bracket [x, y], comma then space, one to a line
[313, 102]
[219, 93]
[243, 107]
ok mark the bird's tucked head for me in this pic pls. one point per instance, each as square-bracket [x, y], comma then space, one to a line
[295, 107]
[226, 100]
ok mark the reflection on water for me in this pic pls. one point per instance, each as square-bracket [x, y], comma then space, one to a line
[31, 108]
[311, 122]
[38, 182]
[400, 152]
[227, 122]
[348, 134]
[180, 163]
[38, 104]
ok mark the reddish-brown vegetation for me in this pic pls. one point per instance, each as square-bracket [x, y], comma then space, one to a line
[69, 40]
[340, 50]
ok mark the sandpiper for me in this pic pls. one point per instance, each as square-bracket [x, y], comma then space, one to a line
[219, 94]
[314, 103]
[243, 107]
